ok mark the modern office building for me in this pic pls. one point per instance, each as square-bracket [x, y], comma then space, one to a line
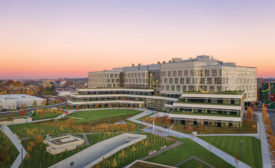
[163, 87]
[177, 76]
[208, 109]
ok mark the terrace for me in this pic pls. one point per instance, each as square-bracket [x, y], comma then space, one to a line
[206, 112]
[221, 92]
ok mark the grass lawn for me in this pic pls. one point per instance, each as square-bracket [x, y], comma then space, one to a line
[187, 149]
[249, 150]
[193, 163]
[46, 115]
[86, 116]
[8, 152]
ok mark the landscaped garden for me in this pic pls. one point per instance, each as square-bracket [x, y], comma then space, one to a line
[88, 116]
[247, 149]
[98, 124]
[188, 149]
[37, 156]
[93, 121]
[136, 151]
[8, 152]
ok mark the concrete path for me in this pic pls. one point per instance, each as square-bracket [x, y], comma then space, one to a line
[86, 142]
[253, 135]
[196, 158]
[166, 132]
[17, 144]
[264, 144]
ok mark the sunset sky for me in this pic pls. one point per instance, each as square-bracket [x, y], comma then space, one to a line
[69, 38]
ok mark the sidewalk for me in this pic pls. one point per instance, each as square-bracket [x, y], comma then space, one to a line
[17, 144]
[264, 145]
[253, 135]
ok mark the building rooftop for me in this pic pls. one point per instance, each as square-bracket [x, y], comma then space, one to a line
[209, 60]
[7, 97]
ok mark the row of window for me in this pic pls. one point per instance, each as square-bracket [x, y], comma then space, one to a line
[193, 80]
[114, 92]
[189, 88]
[211, 101]
[136, 80]
[135, 74]
[208, 111]
[180, 73]
[103, 75]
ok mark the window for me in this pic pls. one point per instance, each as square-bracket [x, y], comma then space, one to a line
[169, 73]
[170, 80]
[202, 80]
[176, 80]
[209, 80]
[184, 88]
[207, 73]
[185, 73]
[217, 80]
[187, 80]
[191, 88]
[179, 73]
[178, 87]
[174, 73]
[173, 88]
[192, 73]
[214, 72]
[181, 80]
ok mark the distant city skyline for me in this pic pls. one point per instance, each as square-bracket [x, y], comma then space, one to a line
[55, 39]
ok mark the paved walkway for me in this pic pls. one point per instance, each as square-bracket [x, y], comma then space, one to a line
[264, 145]
[163, 131]
[17, 144]
[86, 142]
[253, 135]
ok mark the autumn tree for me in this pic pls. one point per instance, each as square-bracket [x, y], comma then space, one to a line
[34, 103]
[249, 114]
[114, 164]
[38, 138]
[10, 117]
[190, 128]
[43, 103]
